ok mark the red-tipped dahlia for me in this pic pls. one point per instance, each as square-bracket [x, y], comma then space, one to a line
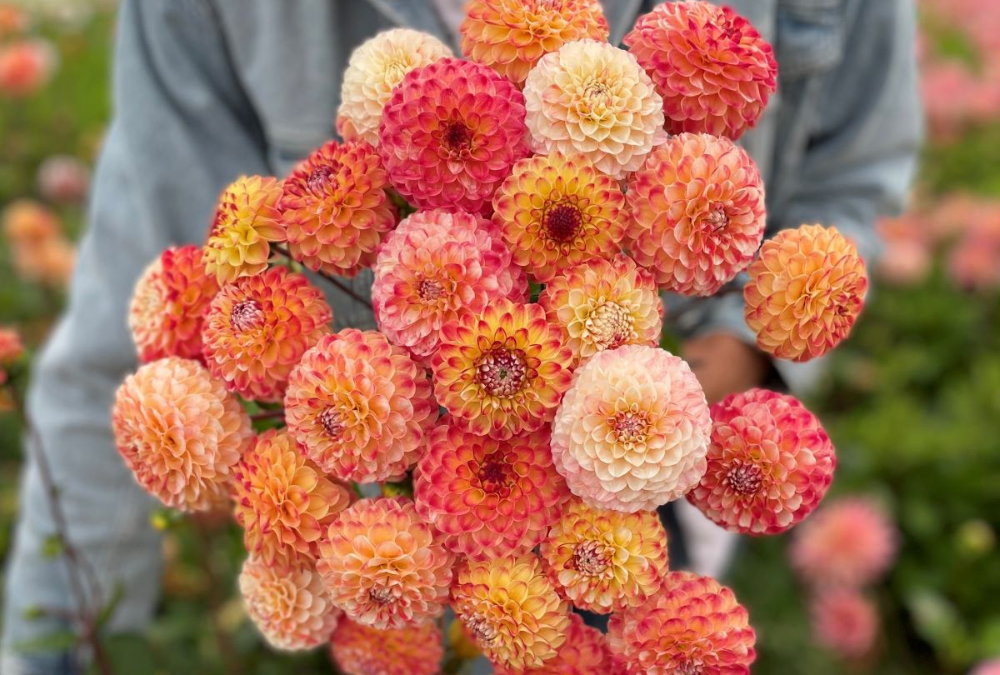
[585, 652]
[557, 211]
[605, 561]
[384, 566]
[603, 305]
[489, 498]
[503, 371]
[431, 266]
[450, 133]
[592, 98]
[511, 35]
[247, 220]
[851, 542]
[769, 463]
[283, 502]
[713, 69]
[844, 621]
[258, 328]
[169, 305]
[693, 625]
[289, 605]
[374, 70]
[336, 208]
[180, 432]
[697, 213]
[805, 292]
[633, 429]
[511, 610]
[359, 407]
[362, 650]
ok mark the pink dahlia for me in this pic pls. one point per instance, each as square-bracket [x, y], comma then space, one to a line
[845, 621]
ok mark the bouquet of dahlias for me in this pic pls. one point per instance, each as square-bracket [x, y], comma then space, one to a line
[521, 212]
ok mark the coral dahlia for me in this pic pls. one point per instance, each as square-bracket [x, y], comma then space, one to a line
[362, 650]
[585, 652]
[247, 220]
[844, 621]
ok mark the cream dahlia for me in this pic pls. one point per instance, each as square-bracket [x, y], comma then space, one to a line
[844, 621]
[357, 649]
[247, 221]
[585, 652]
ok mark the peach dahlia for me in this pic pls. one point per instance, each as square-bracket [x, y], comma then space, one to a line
[246, 222]
[362, 650]
[585, 652]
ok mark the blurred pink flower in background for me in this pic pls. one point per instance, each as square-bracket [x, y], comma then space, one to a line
[25, 67]
[907, 256]
[991, 667]
[63, 179]
[845, 621]
[39, 250]
[13, 20]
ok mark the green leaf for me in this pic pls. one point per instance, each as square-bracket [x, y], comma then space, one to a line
[52, 547]
[59, 641]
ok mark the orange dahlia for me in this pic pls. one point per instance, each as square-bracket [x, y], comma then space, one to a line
[359, 407]
[336, 208]
[489, 498]
[633, 429]
[247, 220]
[169, 305]
[557, 211]
[603, 305]
[431, 266]
[29, 223]
[374, 70]
[585, 652]
[693, 625]
[769, 463]
[511, 610]
[805, 292]
[592, 98]
[450, 133]
[362, 650]
[714, 71]
[844, 621]
[26, 65]
[511, 35]
[258, 328]
[180, 432]
[697, 213]
[384, 566]
[501, 371]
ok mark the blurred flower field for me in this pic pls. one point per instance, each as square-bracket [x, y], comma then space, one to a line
[899, 571]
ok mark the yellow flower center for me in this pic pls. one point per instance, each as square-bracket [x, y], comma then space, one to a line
[744, 479]
[332, 423]
[610, 325]
[562, 223]
[717, 218]
[591, 558]
[630, 427]
[246, 315]
[502, 372]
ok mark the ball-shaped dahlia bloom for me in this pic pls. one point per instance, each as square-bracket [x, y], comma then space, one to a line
[511, 35]
[489, 498]
[557, 211]
[592, 98]
[693, 625]
[283, 502]
[247, 220]
[450, 133]
[585, 652]
[374, 70]
[289, 605]
[844, 621]
[713, 69]
[604, 304]
[511, 610]
[851, 542]
[805, 292]
[769, 463]
[258, 328]
[359, 407]
[336, 208]
[357, 649]
[384, 566]
[180, 432]
[605, 561]
[169, 305]
[502, 371]
[431, 266]
[697, 213]
[633, 429]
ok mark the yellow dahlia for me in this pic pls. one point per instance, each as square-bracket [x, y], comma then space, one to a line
[359, 407]
[336, 208]
[585, 652]
[357, 649]
[511, 35]
[592, 98]
[180, 432]
[633, 429]
[169, 305]
[603, 305]
[697, 213]
[502, 371]
[288, 605]
[805, 292]
[384, 566]
[557, 211]
[258, 328]
[246, 221]
[511, 610]
[375, 68]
